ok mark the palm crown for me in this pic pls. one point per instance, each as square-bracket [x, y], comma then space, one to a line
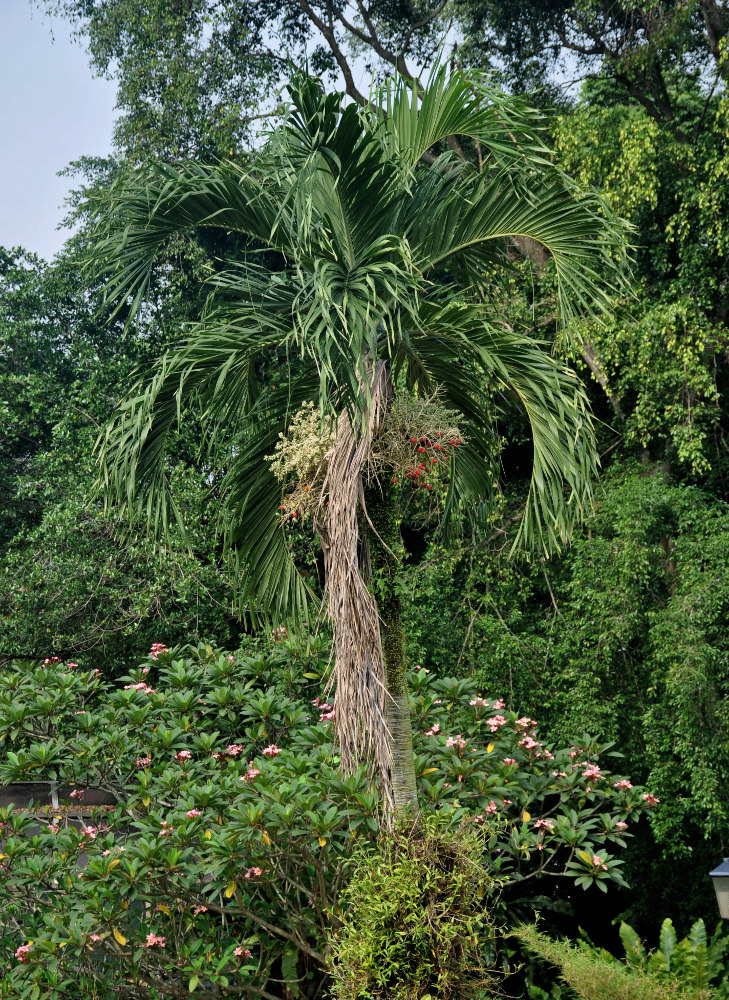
[387, 252]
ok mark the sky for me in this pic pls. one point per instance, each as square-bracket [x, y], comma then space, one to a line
[52, 111]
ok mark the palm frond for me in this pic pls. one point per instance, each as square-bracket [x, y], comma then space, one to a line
[564, 460]
[148, 207]
[363, 231]
[586, 241]
[271, 585]
[362, 227]
[429, 361]
[414, 120]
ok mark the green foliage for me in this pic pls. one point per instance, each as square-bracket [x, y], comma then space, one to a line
[74, 584]
[186, 81]
[231, 798]
[416, 923]
[696, 962]
[595, 977]
[694, 966]
[664, 356]
[68, 582]
[624, 635]
[630, 177]
[667, 366]
[52, 387]
[632, 646]
[356, 285]
[643, 54]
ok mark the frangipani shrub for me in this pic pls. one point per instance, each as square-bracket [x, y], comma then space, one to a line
[219, 872]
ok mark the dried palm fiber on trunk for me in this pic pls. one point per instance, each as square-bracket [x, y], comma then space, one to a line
[361, 712]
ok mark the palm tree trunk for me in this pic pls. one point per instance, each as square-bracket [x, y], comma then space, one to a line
[383, 535]
[372, 712]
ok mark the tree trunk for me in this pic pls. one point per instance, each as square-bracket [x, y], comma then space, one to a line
[382, 532]
[361, 549]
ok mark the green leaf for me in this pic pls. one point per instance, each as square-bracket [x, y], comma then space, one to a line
[667, 941]
[634, 950]
[289, 969]
[701, 967]
[363, 228]
[697, 934]
[192, 985]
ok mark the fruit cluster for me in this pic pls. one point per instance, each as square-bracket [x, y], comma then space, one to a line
[431, 453]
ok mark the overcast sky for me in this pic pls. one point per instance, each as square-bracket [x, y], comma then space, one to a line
[52, 111]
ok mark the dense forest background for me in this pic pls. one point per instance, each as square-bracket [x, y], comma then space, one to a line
[625, 634]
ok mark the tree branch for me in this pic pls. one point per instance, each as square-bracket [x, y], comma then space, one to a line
[329, 34]
[420, 24]
[590, 356]
[243, 911]
[373, 41]
[715, 33]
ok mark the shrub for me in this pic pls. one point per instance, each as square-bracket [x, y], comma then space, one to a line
[692, 967]
[696, 961]
[596, 977]
[219, 873]
[416, 920]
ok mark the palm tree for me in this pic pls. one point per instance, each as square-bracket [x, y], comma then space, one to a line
[387, 256]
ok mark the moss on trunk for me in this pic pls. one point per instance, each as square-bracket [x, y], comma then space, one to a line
[382, 501]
